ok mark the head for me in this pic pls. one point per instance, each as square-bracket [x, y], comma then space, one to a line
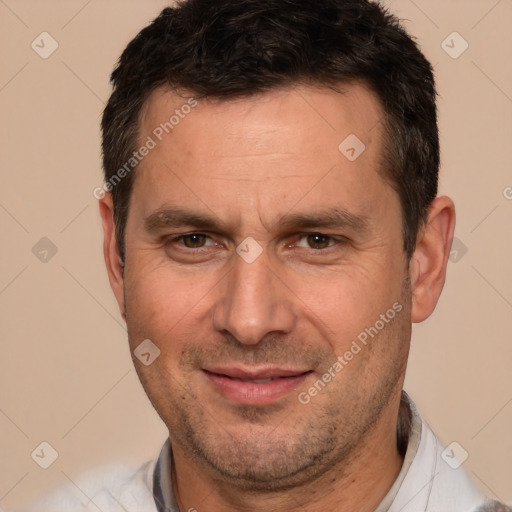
[281, 223]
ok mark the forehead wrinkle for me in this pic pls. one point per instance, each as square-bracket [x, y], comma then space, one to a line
[266, 178]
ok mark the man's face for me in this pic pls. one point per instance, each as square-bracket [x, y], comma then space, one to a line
[243, 336]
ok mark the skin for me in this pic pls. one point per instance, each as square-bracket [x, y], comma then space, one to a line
[248, 163]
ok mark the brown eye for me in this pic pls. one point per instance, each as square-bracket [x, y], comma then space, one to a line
[194, 240]
[318, 241]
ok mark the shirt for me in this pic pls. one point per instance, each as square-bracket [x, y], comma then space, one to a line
[430, 480]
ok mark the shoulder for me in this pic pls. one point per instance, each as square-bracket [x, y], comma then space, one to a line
[437, 480]
[110, 489]
[434, 478]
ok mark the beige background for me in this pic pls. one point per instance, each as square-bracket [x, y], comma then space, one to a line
[65, 372]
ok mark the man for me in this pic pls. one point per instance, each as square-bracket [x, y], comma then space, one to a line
[271, 232]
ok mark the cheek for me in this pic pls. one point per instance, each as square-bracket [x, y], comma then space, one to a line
[348, 300]
[160, 303]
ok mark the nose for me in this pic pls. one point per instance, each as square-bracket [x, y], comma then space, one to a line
[254, 303]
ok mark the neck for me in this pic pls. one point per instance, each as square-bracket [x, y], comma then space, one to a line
[358, 484]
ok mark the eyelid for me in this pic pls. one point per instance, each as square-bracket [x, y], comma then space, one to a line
[180, 237]
[336, 239]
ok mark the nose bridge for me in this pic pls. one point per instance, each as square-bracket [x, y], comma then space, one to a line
[253, 302]
[252, 284]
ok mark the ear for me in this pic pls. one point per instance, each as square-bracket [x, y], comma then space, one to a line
[430, 258]
[111, 251]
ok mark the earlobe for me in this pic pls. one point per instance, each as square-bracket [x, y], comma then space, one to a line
[113, 261]
[429, 261]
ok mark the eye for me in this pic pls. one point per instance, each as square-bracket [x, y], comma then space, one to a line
[192, 240]
[193, 247]
[316, 241]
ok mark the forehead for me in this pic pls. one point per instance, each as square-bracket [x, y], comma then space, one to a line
[249, 118]
[267, 152]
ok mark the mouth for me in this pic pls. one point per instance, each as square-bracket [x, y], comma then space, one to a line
[255, 387]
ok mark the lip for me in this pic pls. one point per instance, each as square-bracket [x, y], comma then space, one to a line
[238, 385]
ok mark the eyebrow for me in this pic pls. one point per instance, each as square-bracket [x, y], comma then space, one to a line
[326, 219]
[174, 217]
